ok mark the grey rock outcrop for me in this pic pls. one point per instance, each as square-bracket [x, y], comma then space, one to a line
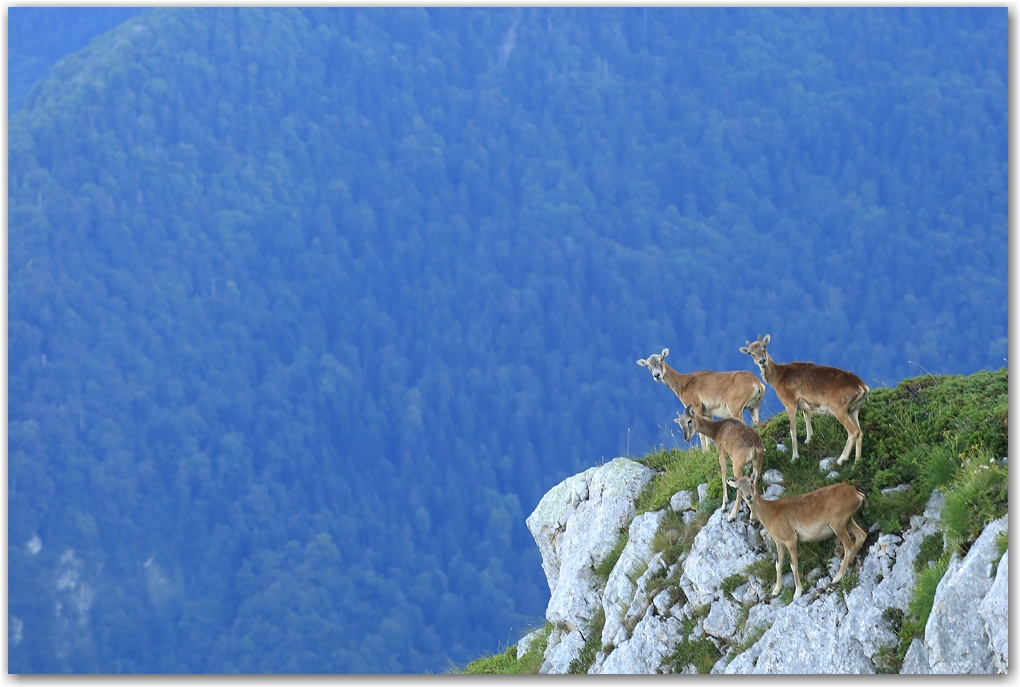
[681, 501]
[994, 610]
[576, 524]
[648, 603]
[958, 638]
[653, 639]
[619, 600]
[804, 639]
[719, 550]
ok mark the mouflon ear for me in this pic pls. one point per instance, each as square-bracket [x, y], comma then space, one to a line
[679, 418]
[765, 340]
[743, 349]
[643, 362]
[690, 411]
[732, 483]
[665, 352]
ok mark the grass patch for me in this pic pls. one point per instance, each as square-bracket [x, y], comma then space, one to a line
[678, 471]
[894, 617]
[728, 585]
[1001, 544]
[921, 601]
[848, 582]
[980, 494]
[507, 663]
[931, 549]
[661, 580]
[607, 564]
[887, 661]
[675, 537]
[700, 652]
[751, 637]
[920, 433]
[586, 657]
[763, 569]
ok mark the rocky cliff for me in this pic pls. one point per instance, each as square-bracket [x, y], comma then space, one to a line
[711, 610]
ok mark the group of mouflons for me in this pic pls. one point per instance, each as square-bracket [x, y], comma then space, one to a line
[812, 389]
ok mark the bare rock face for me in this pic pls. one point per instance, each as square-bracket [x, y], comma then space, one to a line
[620, 597]
[576, 524]
[803, 639]
[720, 549]
[957, 637]
[994, 610]
[654, 638]
[826, 631]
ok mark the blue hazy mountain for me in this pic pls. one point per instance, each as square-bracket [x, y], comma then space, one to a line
[308, 308]
[38, 37]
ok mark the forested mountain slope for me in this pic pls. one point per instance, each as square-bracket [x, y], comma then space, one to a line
[308, 309]
[37, 37]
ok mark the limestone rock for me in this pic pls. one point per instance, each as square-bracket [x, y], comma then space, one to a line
[801, 640]
[563, 648]
[681, 501]
[994, 610]
[845, 634]
[955, 634]
[917, 661]
[702, 492]
[575, 525]
[618, 597]
[525, 642]
[721, 621]
[719, 550]
[653, 640]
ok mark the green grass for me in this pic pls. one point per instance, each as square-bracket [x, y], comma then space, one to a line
[921, 601]
[701, 651]
[607, 564]
[848, 582]
[931, 549]
[675, 537]
[507, 663]
[728, 585]
[678, 471]
[923, 432]
[750, 638]
[1001, 544]
[763, 568]
[979, 494]
[586, 657]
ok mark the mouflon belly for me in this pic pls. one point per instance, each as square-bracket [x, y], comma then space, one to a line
[813, 408]
[816, 533]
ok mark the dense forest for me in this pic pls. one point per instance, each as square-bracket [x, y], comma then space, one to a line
[40, 36]
[307, 309]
